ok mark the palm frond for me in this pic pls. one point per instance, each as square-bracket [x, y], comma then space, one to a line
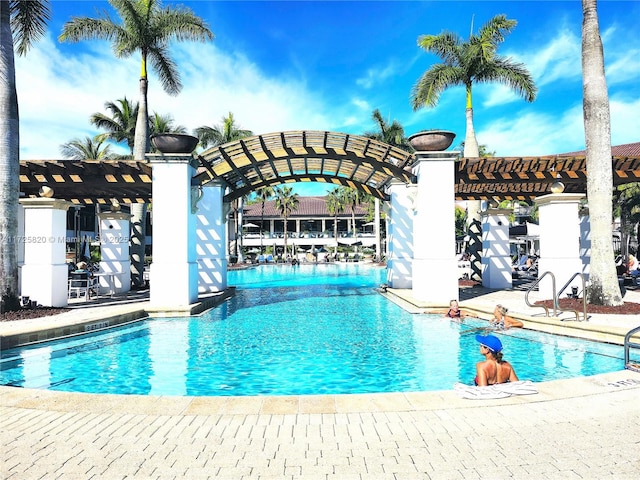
[28, 22]
[426, 92]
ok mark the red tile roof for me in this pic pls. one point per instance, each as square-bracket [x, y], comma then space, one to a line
[307, 207]
[626, 150]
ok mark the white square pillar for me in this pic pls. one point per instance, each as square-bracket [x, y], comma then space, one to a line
[114, 252]
[435, 268]
[174, 270]
[45, 273]
[20, 249]
[400, 235]
[559, 240]
[211, 239]
[496, 258]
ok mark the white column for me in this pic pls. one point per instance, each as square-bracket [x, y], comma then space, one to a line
[211, 239]
[45, 272]
[174, 271]
[435, 268]
[239, 229]
[559, 240]
[114, 251]
[585, 240]
[400, 256]
[20, 250]
[496, 258]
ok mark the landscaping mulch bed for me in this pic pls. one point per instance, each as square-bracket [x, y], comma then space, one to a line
[628, 308]
[27, 313]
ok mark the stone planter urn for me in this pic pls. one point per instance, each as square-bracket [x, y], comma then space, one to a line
[174, 142]
[431, 140]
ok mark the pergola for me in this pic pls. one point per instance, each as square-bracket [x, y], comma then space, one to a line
[316, 156]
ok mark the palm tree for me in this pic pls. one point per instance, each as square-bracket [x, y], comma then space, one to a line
[335, 205]
[627, 209]
[466, 63]
[603, 279]
[164, 124]
[219, 135]
[351, 198]
[147, 27]
[87, 149]
[286, 203]
[392, 134]
[25, 21]
[264, 194]
[121, 125]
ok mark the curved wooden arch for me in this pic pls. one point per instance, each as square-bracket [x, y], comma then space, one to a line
[305, 156]
[329, 157]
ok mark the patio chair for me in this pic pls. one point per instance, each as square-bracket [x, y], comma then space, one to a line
[82, 285]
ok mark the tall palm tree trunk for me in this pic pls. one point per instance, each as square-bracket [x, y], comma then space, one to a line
[239, 229]
[604, 288]
[9, 165]
[261, 227]
[139, 210]
[335, 234]
[353, 220]
[285, 237]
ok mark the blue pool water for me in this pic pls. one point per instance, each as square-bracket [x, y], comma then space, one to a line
[294, 330]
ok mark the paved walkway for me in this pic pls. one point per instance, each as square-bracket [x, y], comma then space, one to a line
[584, 428]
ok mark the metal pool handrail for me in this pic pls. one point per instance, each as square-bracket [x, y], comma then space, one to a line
[627, 345]
[535, 284]
[556, 298]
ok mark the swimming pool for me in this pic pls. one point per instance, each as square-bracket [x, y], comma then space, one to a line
[308, 329]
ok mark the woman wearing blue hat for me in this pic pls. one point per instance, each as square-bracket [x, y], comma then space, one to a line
[494, 369]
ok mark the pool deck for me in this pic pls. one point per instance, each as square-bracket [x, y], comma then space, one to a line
[583, 428]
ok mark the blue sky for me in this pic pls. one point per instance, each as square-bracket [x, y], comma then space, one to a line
[286, 65]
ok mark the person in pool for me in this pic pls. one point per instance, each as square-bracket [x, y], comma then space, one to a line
[454, 310]
[493, 369]
[502, 321]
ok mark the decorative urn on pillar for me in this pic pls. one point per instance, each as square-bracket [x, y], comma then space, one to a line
[431, 140]
[174, 142]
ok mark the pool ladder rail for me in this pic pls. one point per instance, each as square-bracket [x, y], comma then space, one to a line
[628, 344]
[556, 296]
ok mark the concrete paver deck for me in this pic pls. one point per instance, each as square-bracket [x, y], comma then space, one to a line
[583, 428]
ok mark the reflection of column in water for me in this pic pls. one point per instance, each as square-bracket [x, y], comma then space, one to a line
[169, 356]
[35, 367]
[437, 341]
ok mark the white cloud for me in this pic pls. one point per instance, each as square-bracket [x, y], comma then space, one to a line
[375, 76]
[624, 66]
[58, 93]
[560, 59]
[533, 134]
[625, 123]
